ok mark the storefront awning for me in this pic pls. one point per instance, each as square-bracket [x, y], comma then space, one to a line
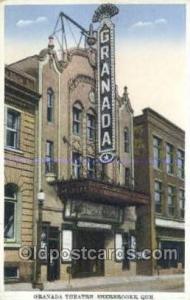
[94, 190]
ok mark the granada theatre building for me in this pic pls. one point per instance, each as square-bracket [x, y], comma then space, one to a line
[85, 149]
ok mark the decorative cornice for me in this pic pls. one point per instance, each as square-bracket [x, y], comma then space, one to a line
[52, 57]
[73, 83]
[76, 144]
[21, 93]
[92, 57]
[90, 54]
[90, 149]
[78, 51]
[43, 53]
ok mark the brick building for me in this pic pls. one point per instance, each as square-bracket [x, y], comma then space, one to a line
[21, 102]
[87, 203]
[159, 170]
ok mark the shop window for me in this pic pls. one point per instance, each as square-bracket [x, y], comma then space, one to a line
[182, 203]
[76, 165]
[171, 200]
[170, 159]
[126, 140]
[158, 196]
[180, 163]
[12, 124]
[157, 144]
[171, 254]
[50, 104]
[11, 213]
[77, 119]
[49, 160]
[11, 272]
[91, 127]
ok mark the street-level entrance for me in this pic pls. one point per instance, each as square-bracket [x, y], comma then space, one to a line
[53, 270]
[89, 264]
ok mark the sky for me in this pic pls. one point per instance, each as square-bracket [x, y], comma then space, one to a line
[150, 48]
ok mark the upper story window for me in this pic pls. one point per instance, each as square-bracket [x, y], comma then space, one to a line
[11, 211]
[126, 140]
[182, 203]
[91, 126]
[49, 161]
[12, 123]
[76, 165]
[77, 118]
[91, 167]
[171, 200]
[50, 105]
[180, 163]
[169, 159]
[157, 143]
[158, 196]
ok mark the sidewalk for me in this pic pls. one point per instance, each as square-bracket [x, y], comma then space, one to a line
[91, 283]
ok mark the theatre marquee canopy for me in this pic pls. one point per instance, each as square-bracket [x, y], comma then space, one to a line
[98, 191]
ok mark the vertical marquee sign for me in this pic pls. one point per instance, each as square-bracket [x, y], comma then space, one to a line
[106, 81]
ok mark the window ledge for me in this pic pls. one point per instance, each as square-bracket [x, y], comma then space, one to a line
[168, 218]
[158, 213]
[157, 169]
[50, 177]
[77, 135]
[11, 280]
[13, 150]
[171, 174]
[12, 245]
[168, 223]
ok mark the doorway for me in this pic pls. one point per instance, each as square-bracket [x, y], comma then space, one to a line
[53, 268]
[86, 266]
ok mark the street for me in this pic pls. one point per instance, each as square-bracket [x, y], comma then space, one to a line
[164, 283]
[134, 287]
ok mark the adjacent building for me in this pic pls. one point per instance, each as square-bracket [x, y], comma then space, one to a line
[21, 105]
[159, 171]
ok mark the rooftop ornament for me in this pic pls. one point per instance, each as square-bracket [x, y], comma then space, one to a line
[105, 11]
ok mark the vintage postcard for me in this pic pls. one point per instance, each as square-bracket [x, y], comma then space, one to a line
[94, 126]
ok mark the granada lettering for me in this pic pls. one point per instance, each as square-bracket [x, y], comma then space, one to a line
[105, 90]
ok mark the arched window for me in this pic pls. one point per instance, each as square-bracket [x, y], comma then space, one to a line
[11, 203]
[126, 140]
[50, 104]
[77, 118]
[91, 125]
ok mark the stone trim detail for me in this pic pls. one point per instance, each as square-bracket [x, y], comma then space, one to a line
[73, 83]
